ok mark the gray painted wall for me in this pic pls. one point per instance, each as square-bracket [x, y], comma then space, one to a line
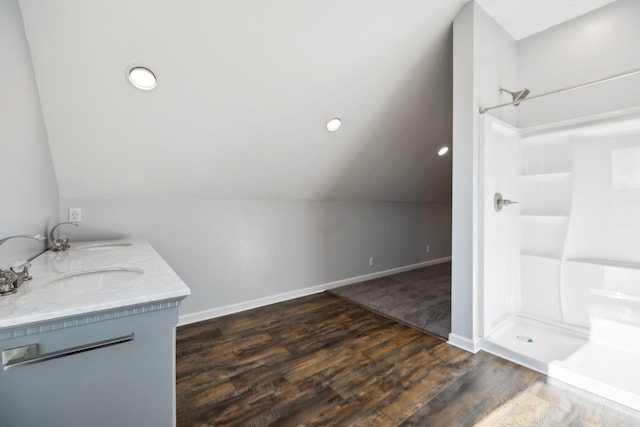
[464, 168]
[228, 251]
[233, 251]
[485, 58]
[27, 182]
[608, 44]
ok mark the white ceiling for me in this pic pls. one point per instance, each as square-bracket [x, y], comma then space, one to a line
[522, 18]
[245, 88]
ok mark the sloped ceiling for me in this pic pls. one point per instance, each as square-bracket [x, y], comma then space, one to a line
[523, 18]
[245, 88]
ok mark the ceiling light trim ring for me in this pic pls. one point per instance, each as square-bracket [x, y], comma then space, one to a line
[334, 124]
[141, 77]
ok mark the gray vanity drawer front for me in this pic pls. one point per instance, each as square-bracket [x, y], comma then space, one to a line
[130, 383]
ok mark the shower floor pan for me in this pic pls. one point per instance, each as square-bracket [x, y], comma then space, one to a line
[608, 371]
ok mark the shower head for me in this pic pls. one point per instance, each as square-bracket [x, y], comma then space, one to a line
[517, 95]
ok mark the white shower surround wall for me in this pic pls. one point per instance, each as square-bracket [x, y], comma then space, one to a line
[487, 298]
[562, 266]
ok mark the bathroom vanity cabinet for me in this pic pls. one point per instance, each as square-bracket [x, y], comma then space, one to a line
[106, 363]
[127, 379]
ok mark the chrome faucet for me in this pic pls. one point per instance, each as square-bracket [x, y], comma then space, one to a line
[13, 277]
[30, 236]
[61, 243]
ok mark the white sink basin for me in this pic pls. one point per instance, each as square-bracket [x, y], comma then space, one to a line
[96, 279]
[104, 246]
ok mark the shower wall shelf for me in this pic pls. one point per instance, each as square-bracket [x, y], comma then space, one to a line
[606, 263]
[609, 281]
[541, 255]
[543, 217]
[546, 194]
[549, 257]
[546, 189]
[545, 159]
[547, 175]
[543, 235]
[614, 295]
[555, 214]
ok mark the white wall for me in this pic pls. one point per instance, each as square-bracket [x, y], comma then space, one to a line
[27, 182]
[234, 251]
[484, 60]
[595, 45]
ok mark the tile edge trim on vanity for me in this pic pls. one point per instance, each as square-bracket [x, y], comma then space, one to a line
[85, 319]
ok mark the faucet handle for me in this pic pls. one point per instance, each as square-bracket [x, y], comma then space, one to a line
[61, 243]
[21, 268]
[7, 280]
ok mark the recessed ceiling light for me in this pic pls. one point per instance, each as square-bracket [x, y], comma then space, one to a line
[443, 151]
[334, 124]
[142, 78]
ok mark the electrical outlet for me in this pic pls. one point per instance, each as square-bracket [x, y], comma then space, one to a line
[370, 261]
[428, 248]
[75, 214]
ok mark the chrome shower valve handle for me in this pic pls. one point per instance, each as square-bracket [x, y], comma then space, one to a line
[499, 202]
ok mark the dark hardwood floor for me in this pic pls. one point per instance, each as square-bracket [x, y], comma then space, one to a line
[323, 361]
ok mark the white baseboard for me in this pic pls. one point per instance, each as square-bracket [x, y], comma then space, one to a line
[464, 343]
[186, 319]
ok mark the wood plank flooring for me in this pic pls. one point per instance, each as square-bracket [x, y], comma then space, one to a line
[323, 361]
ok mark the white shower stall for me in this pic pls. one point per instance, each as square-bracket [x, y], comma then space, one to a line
[562, 266]
[553, 281]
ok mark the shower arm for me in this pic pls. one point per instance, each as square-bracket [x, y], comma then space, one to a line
[564, 89]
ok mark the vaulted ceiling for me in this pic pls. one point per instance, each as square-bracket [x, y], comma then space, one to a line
[245, 88]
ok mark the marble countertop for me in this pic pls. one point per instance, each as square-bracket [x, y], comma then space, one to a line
[41, 299]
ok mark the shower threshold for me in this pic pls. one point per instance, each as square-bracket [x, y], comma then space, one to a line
[569, 356]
